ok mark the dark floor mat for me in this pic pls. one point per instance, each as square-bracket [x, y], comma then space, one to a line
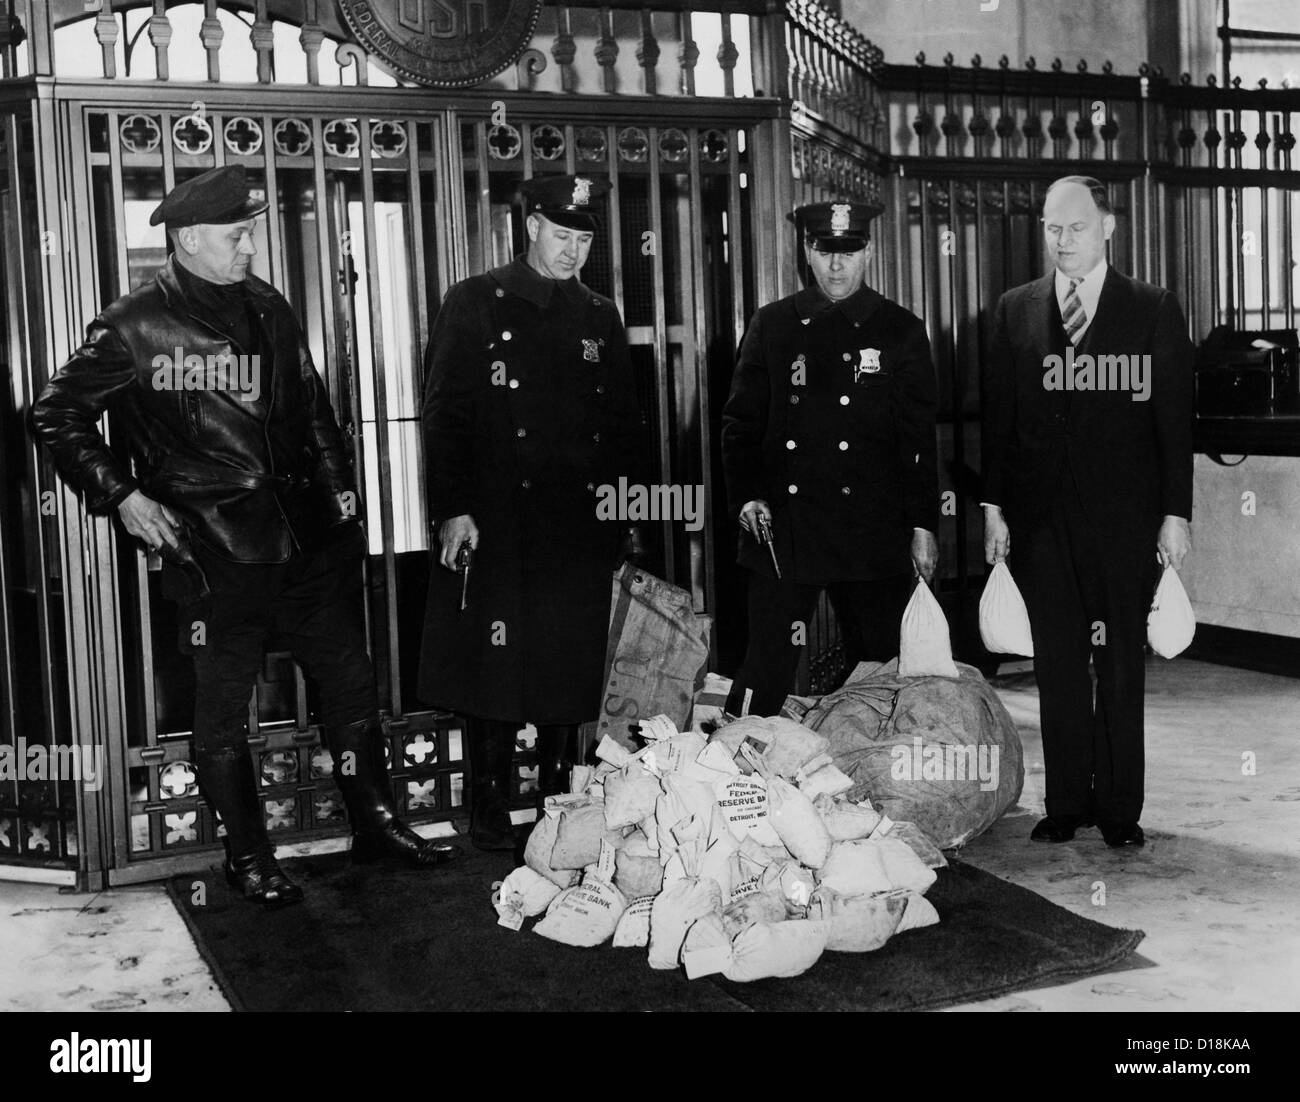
[391, 938]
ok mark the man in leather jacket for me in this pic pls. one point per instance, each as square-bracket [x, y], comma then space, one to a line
[243, 482]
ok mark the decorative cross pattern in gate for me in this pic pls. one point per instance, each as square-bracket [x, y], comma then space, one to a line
[140, 134]
[292, 137]
[504, 142]
[192, 134]
[342, 138]
[388, 138]
[633, 144]
[548, 142]
[243, 135]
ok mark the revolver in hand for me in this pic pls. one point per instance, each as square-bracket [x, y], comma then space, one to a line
[765, 538]
[464, 557]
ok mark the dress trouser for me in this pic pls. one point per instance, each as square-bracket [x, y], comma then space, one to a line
[869, 615]
[1088, 594]
[313, 602]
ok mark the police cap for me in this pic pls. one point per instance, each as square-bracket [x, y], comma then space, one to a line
[566, 200]
[835, 227]
[215, 198]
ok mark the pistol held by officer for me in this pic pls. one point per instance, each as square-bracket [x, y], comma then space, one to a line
[828, 446]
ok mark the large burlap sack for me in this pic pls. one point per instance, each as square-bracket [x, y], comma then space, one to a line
[797, 823]
[957, 722]
[1004, 619]
[1171, 623]
[537, 852]
[924, 648]
[782, 949]
[857, 924]
[656, 655]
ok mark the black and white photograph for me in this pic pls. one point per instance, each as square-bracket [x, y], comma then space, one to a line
[650, 506]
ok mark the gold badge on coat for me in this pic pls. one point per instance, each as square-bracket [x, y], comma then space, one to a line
[591, 350]
[868, 363]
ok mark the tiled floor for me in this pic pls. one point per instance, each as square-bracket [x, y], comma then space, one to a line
[1215, 889]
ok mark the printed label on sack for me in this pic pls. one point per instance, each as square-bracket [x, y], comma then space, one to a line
[743, 803]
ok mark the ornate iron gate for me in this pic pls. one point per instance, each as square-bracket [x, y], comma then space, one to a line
[380, 198]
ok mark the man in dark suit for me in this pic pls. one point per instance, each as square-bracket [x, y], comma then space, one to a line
[529, 409]
[242, 480]
[1088, 458]
[828, 437]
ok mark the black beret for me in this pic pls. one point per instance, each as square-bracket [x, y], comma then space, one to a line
[835, 227]
[216, 198]
[565, 200]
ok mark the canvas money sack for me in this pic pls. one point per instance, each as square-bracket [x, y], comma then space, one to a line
[924, 648]
[1004, 619]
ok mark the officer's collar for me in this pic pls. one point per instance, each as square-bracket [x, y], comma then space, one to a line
[520, 278]
[810, 302]
[174, 291]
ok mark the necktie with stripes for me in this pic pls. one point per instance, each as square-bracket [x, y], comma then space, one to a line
[1073, 317]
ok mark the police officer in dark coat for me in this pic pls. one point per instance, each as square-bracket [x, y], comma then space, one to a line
[529, 409]
[828, 439]
[242, 481]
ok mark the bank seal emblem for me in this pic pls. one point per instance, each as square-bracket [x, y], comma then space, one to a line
[443, 43]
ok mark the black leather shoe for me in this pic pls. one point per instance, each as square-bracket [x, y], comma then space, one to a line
[1122, 834]
[258, 875]
[1058, 828]
[377, 832]
[396, 839]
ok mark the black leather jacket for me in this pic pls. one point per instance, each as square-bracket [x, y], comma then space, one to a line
[255, 480]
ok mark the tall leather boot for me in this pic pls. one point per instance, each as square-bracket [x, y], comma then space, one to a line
[362, 777]
[491, 758]
[230, 786]
[557, 748]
